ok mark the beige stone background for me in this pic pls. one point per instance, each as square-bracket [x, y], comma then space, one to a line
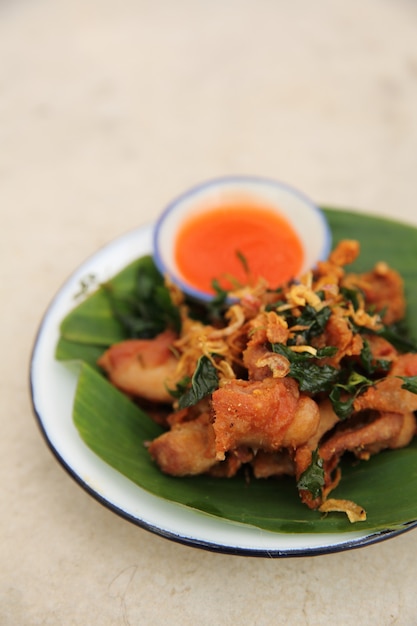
[108, 110]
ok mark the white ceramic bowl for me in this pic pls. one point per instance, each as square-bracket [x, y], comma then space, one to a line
[307, 220]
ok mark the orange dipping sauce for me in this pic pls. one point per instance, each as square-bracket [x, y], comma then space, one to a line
[242, 240]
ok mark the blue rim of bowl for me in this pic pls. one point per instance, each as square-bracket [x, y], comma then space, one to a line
[198, 294]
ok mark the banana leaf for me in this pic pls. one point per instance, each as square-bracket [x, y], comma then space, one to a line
[117, 430]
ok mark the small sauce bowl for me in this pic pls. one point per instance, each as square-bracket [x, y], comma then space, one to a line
[239, 228]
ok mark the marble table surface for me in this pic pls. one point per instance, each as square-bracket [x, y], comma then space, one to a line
[107, 111]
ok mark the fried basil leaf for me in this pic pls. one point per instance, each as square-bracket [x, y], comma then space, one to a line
[180, 388]
[312, 479]
[148, 310]
[370, 363]
[311, 377]
[343, 395]
[205, 380]
[315, 322]
[351, 295]
[396, 334]
[410, 383]
[342, 408]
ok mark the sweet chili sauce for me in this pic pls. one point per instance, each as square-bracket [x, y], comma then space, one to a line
[237, 242]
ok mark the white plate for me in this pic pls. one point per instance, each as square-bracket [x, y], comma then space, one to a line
[53, 387]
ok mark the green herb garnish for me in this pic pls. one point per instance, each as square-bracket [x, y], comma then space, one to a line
[312, 319]
[205, 380]
[369, 363]
[351, 295]
[312, 479]
[148, 310]
[410, 383]
[343, 396]
[312, 377]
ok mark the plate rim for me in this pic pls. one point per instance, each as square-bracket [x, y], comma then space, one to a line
[349, 540]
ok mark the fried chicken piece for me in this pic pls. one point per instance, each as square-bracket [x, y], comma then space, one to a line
[268, 414]
[259, 360]
[187, 449]
[382, 430]
[331, 272]
[386, 430]
[345, 252]
[405, 365]
[381, 348]
[400, 440]
[303, 454]
[363, 437]
[383, 289]
[268, 464]
[142, 367]
[339, 334]
[388, 394]
[232, 463]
